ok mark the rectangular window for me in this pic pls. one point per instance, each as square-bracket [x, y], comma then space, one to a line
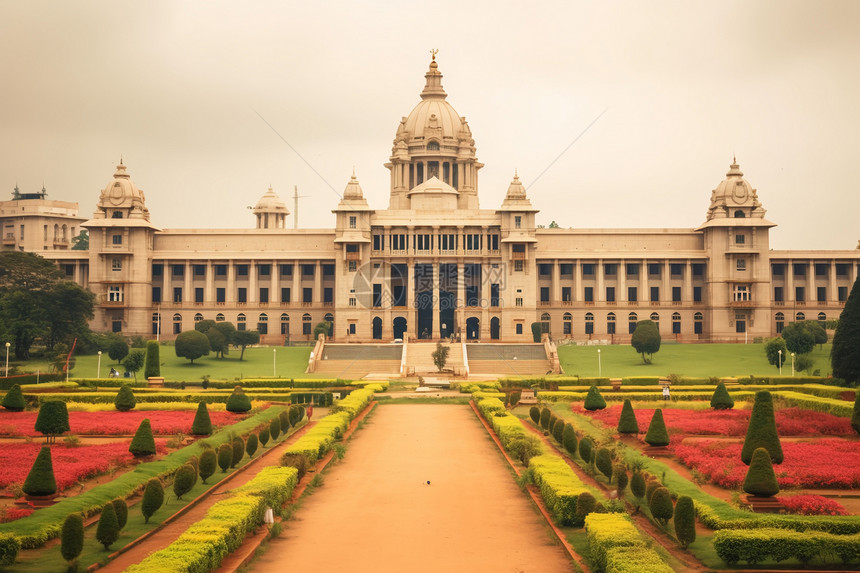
[698, 269]
[198, 294]
[632, 270]
[778, 295]
[352, 328]
[741, 293]
[307, 295]
[631, 326]
[565, 294]
[610, 328]
[589, 294]
[177, 270]
[655, 294]
[610, 294]
[264, 295]
[220, 270]
[241, 326]
[518, 301]
[676, 294]
[610, 269]
[263, 327]
[519, 328]
[265, 270]
[545, 269]
[378, 242]
[156, 294]
[799, 269]
[199, 270]
[740, 239]
[286, 270]
[116, 239]
[697, 327]
[676, 269]
[742, 264]
[306, 327]
[588, 269]
[352, 221]
[821, 269]
[242, 270]
[328, 270]
[352, 301]
[777, 270]
[328, 294]
[676, 327]
[116, 264]
[589, 328]
[285, 294]
[220, 295]
[799, 294]
[567, 327]
[352, 266]
[242, 294]
[157, 269]
[632, 294]
[821, 293]
[308, 270]
[843, 293]
[518, 221]
[377, 295]
[697, 294]
[654, 269]
[566, 269]
[841, 270]
[544, 294]
[494, 295]
[177, 294]
[518, 266]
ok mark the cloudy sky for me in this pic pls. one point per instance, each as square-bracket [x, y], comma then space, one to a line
[179, 89]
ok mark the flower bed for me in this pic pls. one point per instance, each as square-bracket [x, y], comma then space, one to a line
[812, 505]
[734, 422]
[114, 422]
[811, 464]
[70, 463]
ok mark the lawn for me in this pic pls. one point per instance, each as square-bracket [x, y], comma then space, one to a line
[618, 361]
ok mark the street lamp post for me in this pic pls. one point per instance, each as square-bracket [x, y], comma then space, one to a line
[780, 361]
[7, 359]
[275, 362]
[599, 365]
[99, 371]
[792, 363]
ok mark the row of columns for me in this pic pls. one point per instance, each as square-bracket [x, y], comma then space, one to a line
[620, 280]
[810, 283]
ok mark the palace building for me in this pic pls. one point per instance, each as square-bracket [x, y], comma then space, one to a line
[433, 263]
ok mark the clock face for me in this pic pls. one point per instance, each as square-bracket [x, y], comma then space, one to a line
[740, 192]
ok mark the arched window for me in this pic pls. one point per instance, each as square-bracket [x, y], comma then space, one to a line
[198, 317]
[676, 323]
[739, 214]
[56, 232]
[655, 317]
[780, 322]
[780, 316]
[285, 323]
[306, 324]
[65, 229]
[567, 316]
[567, 323]
[697, 322]
[285, 317]
[177, 323]
[610, 323]
[800, 316]
[700, 316]
[589, 323]
[219, 317]
[822, 317]
[263, 323]
[632, 319]
[544, 317]
[240, 321]
[117, 215]
[433, 146]
[177, 317]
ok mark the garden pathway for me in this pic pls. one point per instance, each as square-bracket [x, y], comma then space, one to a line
[376, 511]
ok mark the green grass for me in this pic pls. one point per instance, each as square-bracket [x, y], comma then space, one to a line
[619, 361]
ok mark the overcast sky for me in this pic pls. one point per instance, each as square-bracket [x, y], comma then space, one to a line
[176, 89]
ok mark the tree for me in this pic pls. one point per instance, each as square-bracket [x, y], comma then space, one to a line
[238, 451]
[264, 436]
[440, 356]
[721, 400]
[118, 350]
[545, 415]
[627, 423]
[153, 360]
[125, 399]
[569, 440]
[40, 480]
[553, 225]
[798, 339]
[72, 539]
[225, 456]
[153, 498]
[121, 508]
[284, 418]
[586, 446]
[14, 399]
[534, 414]
[761, 432]
[184, 480]
[107, 531]
[760, 479]
[143, 444]
[53, 420]
[244, 338]
[646, 339]
[657, 434]
[585, 504]
[295, 414]
[660, 504]
[82, 241]
[191, 344]
[275, 428]
[637, 485]
[621, 479]
[208, 463]
[238, 402]
[217, 341]
[251, 445]
[776, 349]
[524, 448]
[202, 424]
[855, 415]
[323, 327]
[62, 359]
[685, 521]
[603, 461]
[816, 330]
[558, 430]
[594, 400]
[845, 352]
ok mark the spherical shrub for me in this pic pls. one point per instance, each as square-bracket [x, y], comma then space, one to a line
[264, 436]
[107, 531]
[153, 498]
[40, 480]
[202, 425]
[238, 451]
[657, 434]
[125, 399]
[568, 439]
[585, 504]
[52, 420]
[238, 402]
[685, 521]
[14, 399]
[298, 461]
[121, 508]
[603, 461]
[225, 456]
[761, 433]
[661, 505]
[594, 400]
[760, 479]
[545, 415]
[208, 463]
[184, 480]
[143, 443]
[251, 445]
[72, 538]
[534, 413]
[721, 400]
[627, 423]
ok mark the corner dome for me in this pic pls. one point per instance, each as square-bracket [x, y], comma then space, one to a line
[121, 194]
[734, 197]
[270, 202]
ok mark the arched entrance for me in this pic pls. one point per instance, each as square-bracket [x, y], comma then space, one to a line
[399, 327]
[377, 328]
[473, 328]
[494, 328]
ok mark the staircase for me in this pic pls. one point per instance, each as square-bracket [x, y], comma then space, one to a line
[514, 360]
[355, 361]
[419, 357]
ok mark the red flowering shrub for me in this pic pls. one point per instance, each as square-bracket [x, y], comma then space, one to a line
[164, 423]
[13, 513]
[812, 505]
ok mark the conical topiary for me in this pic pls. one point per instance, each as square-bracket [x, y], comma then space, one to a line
[208, 463]
[121, 508]
[855, 417]
[52, 420]
[238, 402]
[153, 360]
[238, 451]
[621, 479]
[760, 479]
[685, 521]
[125, 399]
[107, 531]
[568, 439]
[14, 399]
[153, 498]
[721, 399]
[143, 444]
[627, 423]
[264, 436]
[661, 506]
[761, 432]
[657, 434]
[202, 425]
[593, 400]
[72, 538]
[40, 480]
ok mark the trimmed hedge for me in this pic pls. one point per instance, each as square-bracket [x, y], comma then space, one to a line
[610, 538]
[725, 517]
[7, 383]
[559, 486]
[779, 545]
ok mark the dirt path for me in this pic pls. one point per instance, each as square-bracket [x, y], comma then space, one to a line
[167, 534]
[376, 512]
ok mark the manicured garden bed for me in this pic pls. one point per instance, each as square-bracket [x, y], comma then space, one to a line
[114, 422]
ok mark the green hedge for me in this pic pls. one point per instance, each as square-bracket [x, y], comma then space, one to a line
[7, 383]
[45, 524]
[110, 382]
[828, 405]
[471, 387]
[109, 397]
[634, 559]
[613, 539]
[778, 544]
[720, 515]
[559, 486]
[315, 398]
[203, 546]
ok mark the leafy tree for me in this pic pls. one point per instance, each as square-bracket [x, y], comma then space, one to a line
[202, 424]
[585, 504]
[125, 399]
[545, 415]
[440, 356]
[855, 415]
[621, 479]
[275, 428]
[594, 400]
[323, 327]
[845, 352]
[284, 418]
[153, 498]
[761, 432]
[524, 448]
[569, 440]
[251, 445]
[72, 539]
[238, 445]
[225, 456]
[143, 443]
[40, 480]
[558, 430]
[553, 225]
[657, 434]
[82, 241]
[121, 508]
[244, 338]
[804, 362]
[798, 339]
[637, 485]
[685, 521]
[627, 423]
[14, 399]
[191, 344]
[646, 339]
[263, 436]
[62, 359]
[107, 531]
[53, 420]
[661, 506]
[534, 414]
[217, 341]
[296, 413]
[586, 446]
[118, 350]
[816, 330]
[760, 479]
[721, 400]
[153, 360]
[772, 350]
[184, 480]
[238, 401]
[603, 461]
[208, 463]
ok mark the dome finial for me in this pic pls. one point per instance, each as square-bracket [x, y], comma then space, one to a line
[433, 53]
[433, 86]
